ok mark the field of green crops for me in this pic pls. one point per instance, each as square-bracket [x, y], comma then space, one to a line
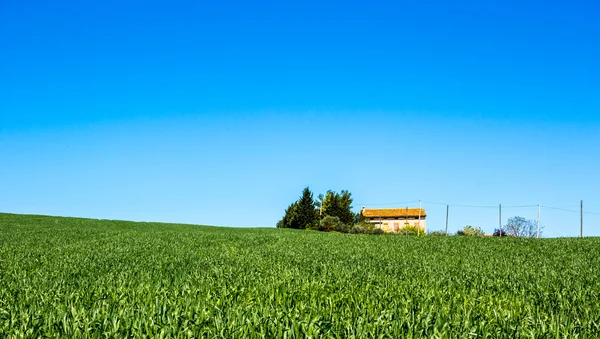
[81, 278]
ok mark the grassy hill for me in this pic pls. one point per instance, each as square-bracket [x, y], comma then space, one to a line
[70, 277]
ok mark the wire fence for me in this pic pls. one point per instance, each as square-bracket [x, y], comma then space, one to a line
[555, 221]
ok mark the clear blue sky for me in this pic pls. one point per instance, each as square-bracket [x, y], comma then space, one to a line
[220, 113]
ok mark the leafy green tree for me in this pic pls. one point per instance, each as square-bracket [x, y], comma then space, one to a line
[337, 205]
[300, 214]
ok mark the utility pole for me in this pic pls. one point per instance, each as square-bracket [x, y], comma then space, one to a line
[447, 209]
[406, 220]
[321, 207]
[500, 218]
[420, 207]
[538, 223]
[581, 220]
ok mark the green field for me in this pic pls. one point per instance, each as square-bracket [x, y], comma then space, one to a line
[80, 278]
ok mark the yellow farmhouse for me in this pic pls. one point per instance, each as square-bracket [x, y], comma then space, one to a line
[393, 219]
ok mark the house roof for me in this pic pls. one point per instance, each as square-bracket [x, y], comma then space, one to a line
[392, 212]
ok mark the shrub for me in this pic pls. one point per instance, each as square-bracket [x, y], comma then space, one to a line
[313, 227]
[410, 230]
[329, 223]
[377, 231]
[358, 229]
[367, 226]
[498, 232]
[342, 228]
[333, 224]
[437, 233]
[471, 231]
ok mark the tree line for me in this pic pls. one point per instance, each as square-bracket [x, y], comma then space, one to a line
[333, 212]
[329, 212]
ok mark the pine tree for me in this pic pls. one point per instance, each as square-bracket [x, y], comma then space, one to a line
[290, 218]
[300, 214]
[307, 213]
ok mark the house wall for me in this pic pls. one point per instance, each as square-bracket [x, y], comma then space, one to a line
[393, 224]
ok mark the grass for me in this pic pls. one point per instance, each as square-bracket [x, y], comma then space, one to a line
[81, 278]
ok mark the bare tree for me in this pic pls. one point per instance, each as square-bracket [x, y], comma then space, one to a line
[521, 227]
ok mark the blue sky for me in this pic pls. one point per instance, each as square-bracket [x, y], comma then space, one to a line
[220, 113]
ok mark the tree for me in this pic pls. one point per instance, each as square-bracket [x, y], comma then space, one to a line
[290, 218]
[358, 218]
[300, 214]
[307, 212]
[337, 205]
[521, 227]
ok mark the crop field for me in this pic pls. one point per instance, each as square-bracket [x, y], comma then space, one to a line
[82, 278]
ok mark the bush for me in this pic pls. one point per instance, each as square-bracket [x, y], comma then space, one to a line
[328, 223]
[313, 227]
[410, 230]
[333, 224]
[437, 233]
[377, 231]
[471, 231]
[358, 229]
[342, 228]
[498, 232]
[367, 226]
